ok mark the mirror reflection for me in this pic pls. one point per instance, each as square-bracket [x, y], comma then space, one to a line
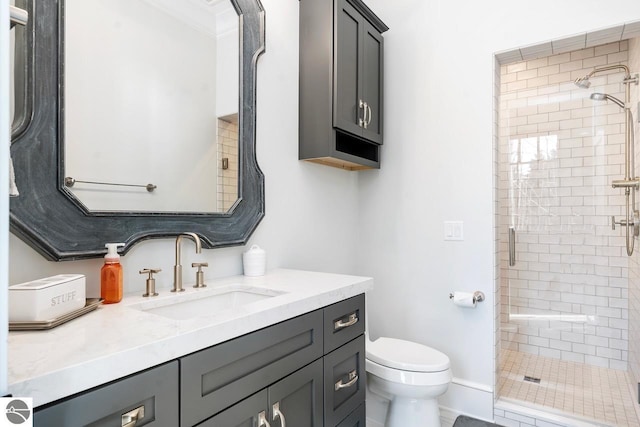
[151, 105]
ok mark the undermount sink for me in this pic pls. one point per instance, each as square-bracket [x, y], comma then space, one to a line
[207, 302]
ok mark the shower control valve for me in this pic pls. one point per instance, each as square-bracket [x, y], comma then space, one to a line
[633, 222]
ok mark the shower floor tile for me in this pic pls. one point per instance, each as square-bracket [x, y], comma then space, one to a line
[593, 392]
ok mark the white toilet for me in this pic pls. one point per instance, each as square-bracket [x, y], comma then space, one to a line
[412, 376]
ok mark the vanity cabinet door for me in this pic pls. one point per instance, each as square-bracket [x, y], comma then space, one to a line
[298, 398]
[358, 74]
[344, 381]
[246, 413]
[155, 390]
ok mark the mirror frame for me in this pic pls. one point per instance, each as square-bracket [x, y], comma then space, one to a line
[48, 219]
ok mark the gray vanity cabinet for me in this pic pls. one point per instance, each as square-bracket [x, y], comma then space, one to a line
[308, 370]
[341, 84]
[150, 397]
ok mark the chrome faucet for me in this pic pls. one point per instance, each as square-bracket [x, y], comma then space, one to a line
[177, 269]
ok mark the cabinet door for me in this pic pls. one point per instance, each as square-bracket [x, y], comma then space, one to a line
[344, 381]
[372, 44]
[246, 413]
[298, 398]
[348, 60]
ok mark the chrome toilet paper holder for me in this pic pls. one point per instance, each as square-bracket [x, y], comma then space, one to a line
[477, 296]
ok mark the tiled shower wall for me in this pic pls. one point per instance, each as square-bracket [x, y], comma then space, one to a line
[559, 152]
[634, 261]
[227, 178]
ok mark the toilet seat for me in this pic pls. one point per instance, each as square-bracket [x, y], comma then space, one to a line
[406, 356]
[398, 376]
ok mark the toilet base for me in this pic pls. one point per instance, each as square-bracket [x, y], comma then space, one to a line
[408, 412]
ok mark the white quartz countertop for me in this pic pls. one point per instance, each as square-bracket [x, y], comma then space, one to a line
[117, 340]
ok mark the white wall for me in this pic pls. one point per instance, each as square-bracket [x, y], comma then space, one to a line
[437, 166]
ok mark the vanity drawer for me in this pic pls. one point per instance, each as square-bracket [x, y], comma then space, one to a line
[215, 378]
[155, 390]
[344, 381]
[343, 322]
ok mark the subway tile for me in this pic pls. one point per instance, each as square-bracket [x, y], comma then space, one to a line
[609, 353]
[606, 49]
[582, 54]
[617, 57]
[527, 74]
[560, 58]
[548, 70]
[596, 61]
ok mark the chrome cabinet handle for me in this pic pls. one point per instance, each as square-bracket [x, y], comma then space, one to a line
[366, 110]
[339, 324]
[262, 420]
[132, 417]
[353, 378]
[512, 246]
[362, 105]
[278, 414]
[368, 122]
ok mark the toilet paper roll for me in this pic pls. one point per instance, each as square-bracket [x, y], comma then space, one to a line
[464, 299]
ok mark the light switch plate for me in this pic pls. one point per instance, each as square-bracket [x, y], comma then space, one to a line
[453, 230]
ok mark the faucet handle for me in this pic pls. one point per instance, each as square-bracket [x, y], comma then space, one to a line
[151, 282]
[199, 274]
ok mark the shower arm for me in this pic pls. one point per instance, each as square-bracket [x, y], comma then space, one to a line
[610, 68]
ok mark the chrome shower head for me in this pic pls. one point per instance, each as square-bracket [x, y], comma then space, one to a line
[583, 82]
[606, 97]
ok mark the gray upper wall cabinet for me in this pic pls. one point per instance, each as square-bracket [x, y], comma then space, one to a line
[341, 84]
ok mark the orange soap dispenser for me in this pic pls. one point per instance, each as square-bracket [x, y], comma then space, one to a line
[111, 275]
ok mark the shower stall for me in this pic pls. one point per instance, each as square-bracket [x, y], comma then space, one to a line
[567, 226]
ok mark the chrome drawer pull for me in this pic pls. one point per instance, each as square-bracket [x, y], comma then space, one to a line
[362, 120]
[132, 417]
[262, 420]
[277, 414]
[339, 324]
[353, 378]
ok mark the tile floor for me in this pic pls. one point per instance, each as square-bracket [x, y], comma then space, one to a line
[592, 392]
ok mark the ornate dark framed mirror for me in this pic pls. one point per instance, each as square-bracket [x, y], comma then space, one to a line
[52, 218]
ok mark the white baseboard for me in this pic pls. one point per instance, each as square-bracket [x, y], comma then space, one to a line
[448, 416]
[472, 399]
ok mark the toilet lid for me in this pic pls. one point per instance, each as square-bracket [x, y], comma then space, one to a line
[406, 355]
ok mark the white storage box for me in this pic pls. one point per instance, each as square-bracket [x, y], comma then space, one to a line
[46, 299]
